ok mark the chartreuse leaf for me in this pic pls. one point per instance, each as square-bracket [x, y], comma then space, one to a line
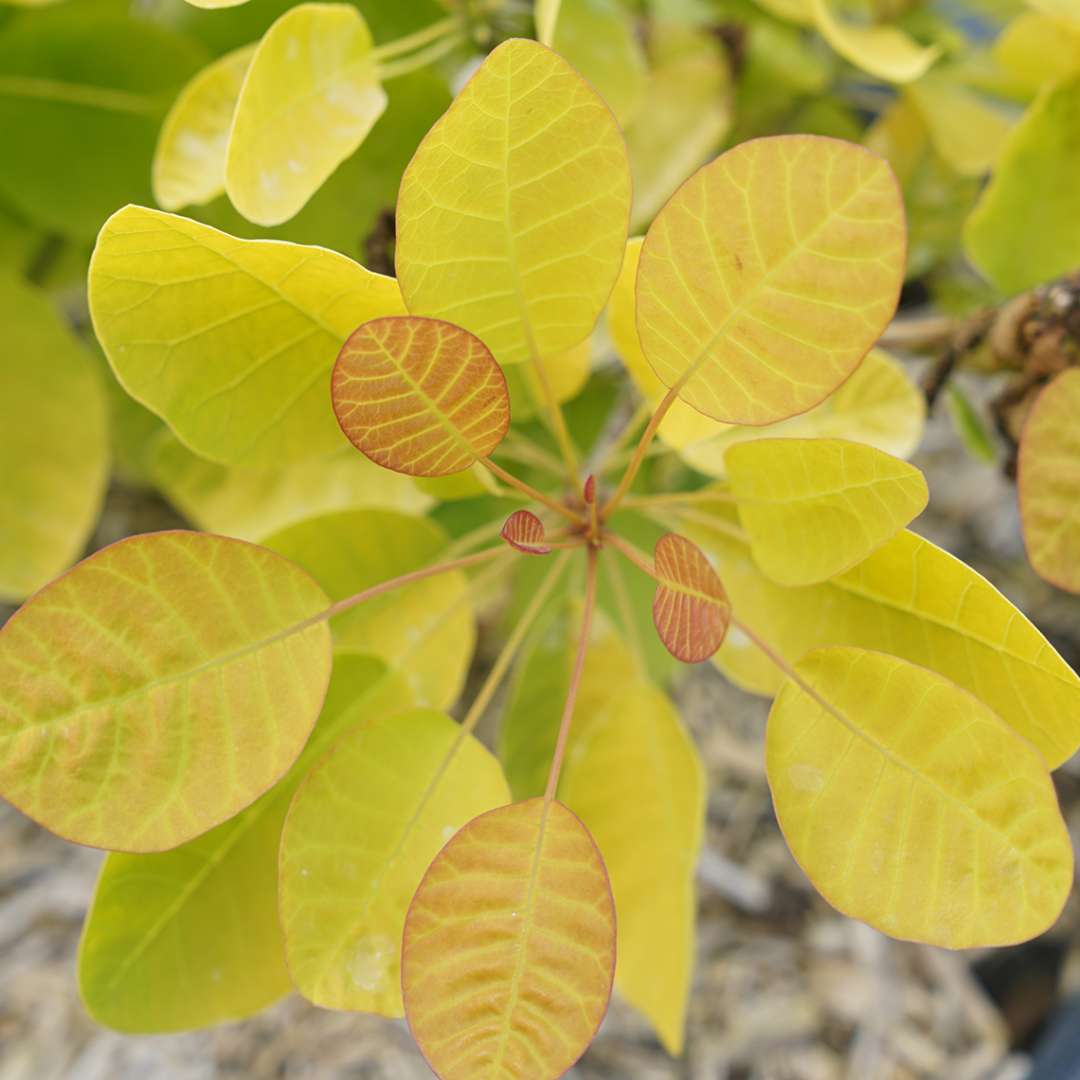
[420, 396]
[599, 39]
[635, 778]
[53, 442]
[190, 937]
[566, 376]
[230, 341]
[215, 5]
[691, 611]
[352, 550]
[813, 508]
[360, 833]
[1026, 227]
[879, 405]
[158, 688]
[1060, 9]
[911, 806]
[252, 503]
[885, 51]
[769, 274]
[189, 162]
[511, 219]
[509, 947]
[81, 84]
[1035, 50]
[912, 599]
[310, 97]
[1049, 480]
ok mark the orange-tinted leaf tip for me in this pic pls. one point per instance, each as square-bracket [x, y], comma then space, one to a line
[525, 531]
[420, 396]
[508, 956]
[691, 610]
[590, 490]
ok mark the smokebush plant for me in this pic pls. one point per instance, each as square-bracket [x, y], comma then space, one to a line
[257, 728]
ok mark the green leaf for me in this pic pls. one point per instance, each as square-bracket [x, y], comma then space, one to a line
[230, 341]
[425, 629]
[911, 806]
[969, 424]
[813, 508]
[54, 452]
[361, 831]
[511, 219]
[191, 937]
[158, 688]
[309, 99]
[912, 599]
[84, 86]
[1026, 227]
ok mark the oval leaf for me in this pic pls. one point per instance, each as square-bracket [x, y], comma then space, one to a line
[813, 508]
[512, 215]
[158, 688]
[769, 274]
[311, 95]
[1049, 479]
[361, 831]
[912, 806]
[420, 396]
[509, 947]
[230, 341]
[525, 531]
[691, 611]
[166, 945]
[189, 162]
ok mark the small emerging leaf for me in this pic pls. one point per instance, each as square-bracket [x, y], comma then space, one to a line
[912, 806]
[158, 688]
[310, 97]
[420, 396]
[691, 609]
[525, 531]
[1049, 480]
[813, 508]
[509, 946]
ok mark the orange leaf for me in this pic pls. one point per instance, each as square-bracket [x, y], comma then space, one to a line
[525, 531]
[420, 396]
[691, 610]
[509, 947]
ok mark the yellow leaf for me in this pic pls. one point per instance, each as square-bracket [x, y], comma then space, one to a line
[361, 831]
[230, 341]
[54, 453]
[158, 688]
[189, 161]
[884, 51]
[429, 622]
[215, 5]
[566, 374]
[420, 396]
[1035, 49]
[463, 485]
[879, 405]
[252, 503]
[509, 946]
[813, 508]
[311, 95]
[769, 275]
[190, 937]
[512, 215]
[796, 11]
[912, 599]
[1059, 9]
[911, 806]
[1049, 482]
[635, 778]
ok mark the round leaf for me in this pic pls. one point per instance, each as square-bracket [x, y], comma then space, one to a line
[310, 97]
[769, 274]
[525, 531]
[912, 806]
[1049, 478]
[691, 610]
[361, 831]
[509, 947]
[158, 688]
[420, 396]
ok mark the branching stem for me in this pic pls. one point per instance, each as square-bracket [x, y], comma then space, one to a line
[422, 58]
[633, 554]
[533, 493]
[575, 679]
[415, 40]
